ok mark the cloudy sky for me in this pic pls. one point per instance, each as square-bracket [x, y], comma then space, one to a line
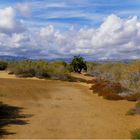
[95, 29]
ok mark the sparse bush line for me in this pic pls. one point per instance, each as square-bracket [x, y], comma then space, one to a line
[58, 70]
[40, 69]
[122, 80]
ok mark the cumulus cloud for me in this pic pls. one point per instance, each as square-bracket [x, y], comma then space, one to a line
[8, 22]
[115, 38]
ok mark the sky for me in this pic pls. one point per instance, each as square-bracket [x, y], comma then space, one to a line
[51, 29]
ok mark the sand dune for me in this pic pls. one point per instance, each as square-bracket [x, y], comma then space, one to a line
[65, 110]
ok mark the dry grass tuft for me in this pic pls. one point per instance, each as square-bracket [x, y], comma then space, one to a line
[106, 89]
[117, 78]
[135, 134]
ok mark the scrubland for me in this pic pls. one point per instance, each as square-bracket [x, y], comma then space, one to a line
[40, 69]
[59, 104]
[120, 80]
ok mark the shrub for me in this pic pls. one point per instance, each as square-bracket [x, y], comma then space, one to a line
[107, 89]
[40, 69]
[3, 65]
[133, 97]
[22, 69]
[138, 104]
[112, 96]
[28, 68]
[135, 110]
[135, 134]
[131, 112]
[119, 75]
[78, 64]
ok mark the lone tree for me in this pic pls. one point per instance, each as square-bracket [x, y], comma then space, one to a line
[78, 64]
[3, 65]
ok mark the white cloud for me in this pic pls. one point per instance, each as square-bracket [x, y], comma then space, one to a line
[6, 16]
[8, 22]
[115, 38]
[47, 31]
[24, 9]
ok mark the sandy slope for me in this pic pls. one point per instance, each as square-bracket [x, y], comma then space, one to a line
[66, 110]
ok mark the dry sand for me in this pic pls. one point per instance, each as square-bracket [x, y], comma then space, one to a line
[65, 110]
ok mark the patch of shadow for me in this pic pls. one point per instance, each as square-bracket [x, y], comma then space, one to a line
[11, 115]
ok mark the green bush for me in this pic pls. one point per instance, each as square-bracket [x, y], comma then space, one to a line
[22, 69]
[135, 134]
[131, 112]
[40, 69]
[78, 64]
[3, 65]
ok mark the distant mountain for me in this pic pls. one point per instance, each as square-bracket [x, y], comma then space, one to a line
[19, 58]
[60, 59]
[126, 61]
[12, 58]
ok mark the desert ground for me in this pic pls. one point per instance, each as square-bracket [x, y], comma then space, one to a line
[58, 109]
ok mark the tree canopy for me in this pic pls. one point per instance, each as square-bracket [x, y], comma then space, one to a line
[78, 64]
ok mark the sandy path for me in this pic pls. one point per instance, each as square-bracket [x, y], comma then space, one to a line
[68, 110]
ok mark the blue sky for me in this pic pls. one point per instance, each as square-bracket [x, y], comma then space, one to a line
[75, 12]
[62, 28]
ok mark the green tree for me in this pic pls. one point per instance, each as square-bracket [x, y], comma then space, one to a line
[78, 64]
[3, 65]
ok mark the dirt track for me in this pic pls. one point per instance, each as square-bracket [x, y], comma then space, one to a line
[66, 110]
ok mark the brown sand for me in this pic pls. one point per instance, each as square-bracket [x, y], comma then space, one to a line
[65, 110]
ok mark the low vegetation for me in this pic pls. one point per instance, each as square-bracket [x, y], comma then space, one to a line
[107, 89]
[40, 69]
[117, 80]
[3, 65]
[58, 70]
[114, 81]
[135, 134]
[135, 110]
